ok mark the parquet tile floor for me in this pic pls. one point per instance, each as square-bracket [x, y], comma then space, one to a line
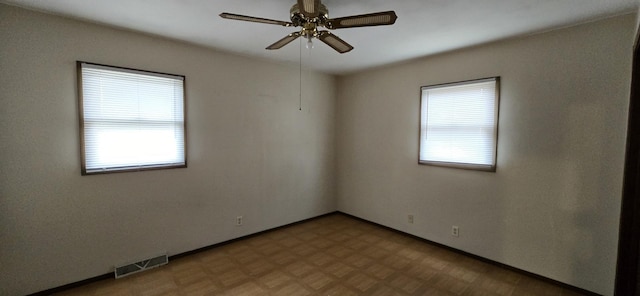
[331, 255]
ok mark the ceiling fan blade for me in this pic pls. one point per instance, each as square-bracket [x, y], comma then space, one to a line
[363, 20]
[334, 41]
[309, 8]
[284, 41]
[240, 17]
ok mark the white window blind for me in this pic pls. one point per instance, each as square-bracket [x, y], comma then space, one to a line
[459, 124]
[130, 119]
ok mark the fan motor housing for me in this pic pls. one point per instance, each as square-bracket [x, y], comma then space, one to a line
[298, 19]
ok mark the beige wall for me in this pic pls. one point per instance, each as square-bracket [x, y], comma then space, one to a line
[251, 153]
[552, 207]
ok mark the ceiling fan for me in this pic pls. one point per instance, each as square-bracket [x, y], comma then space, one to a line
[312, 14]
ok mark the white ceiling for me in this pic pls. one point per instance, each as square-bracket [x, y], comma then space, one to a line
[423, 27]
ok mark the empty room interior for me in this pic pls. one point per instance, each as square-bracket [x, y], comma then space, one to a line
[275, 139]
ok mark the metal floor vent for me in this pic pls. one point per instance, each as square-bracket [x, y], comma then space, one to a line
[141, 266]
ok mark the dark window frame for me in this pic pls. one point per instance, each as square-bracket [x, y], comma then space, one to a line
[462, 165]
[135, 168]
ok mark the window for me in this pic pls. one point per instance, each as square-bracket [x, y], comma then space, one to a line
[130, 120]
[459, 124]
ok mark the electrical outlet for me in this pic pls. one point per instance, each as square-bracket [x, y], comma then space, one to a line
[239, 221]
[410, 219]
[455, 231]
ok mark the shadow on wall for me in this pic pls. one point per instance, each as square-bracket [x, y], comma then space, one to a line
[562, 195]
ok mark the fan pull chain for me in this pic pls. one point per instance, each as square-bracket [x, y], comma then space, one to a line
[300, 77]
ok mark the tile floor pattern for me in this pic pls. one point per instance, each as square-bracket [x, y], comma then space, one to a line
[330, 255]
